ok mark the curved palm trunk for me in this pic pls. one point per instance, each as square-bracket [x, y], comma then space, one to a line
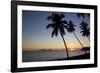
[65, 46]
[79, 41]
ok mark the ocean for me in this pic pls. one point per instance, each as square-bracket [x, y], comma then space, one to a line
[33, 56]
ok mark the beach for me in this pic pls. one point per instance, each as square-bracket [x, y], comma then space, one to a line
[49, 55]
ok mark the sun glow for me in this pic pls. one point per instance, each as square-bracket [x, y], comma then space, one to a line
[50, 46]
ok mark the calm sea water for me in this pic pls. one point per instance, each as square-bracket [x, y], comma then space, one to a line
[30, 56]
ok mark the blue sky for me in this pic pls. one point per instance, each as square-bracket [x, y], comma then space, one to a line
[35, 35]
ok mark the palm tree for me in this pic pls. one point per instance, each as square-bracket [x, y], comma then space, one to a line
[58, 25]
[85, 29]
[71, 29]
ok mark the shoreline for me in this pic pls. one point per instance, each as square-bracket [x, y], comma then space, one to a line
[80, 57]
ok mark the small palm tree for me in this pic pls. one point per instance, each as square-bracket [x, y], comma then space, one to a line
[71, 29]
[58, 25]
[85, 29]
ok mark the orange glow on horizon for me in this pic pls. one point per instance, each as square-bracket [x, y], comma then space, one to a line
[51, 46]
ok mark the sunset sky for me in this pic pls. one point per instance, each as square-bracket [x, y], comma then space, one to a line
[35, 36]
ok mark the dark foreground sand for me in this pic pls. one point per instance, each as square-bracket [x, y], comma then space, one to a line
[85, 56]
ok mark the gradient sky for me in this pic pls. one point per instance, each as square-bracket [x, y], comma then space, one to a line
[35, 36]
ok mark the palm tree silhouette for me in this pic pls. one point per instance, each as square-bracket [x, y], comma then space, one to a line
[58, 25]
[85, 29]
[71, 29]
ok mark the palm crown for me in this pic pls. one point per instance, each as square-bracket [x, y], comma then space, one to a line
[57, 24]
[85, 30]
[71, 27]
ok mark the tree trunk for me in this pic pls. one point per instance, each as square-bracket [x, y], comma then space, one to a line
[65, 46]
[79, 42]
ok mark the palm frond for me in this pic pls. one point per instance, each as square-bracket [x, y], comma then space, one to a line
[71, 27]
[49, 17]
[62, 31]
[85, 30]
[51, 25]
[64, 22]
[62, 15]
[53, 32]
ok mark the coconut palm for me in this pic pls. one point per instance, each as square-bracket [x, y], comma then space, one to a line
[85, 29]
[71, 29]
[58, 25]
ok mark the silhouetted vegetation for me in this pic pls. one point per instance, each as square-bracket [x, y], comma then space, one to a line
[71, 29]
[85, 29]
[58, 25]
